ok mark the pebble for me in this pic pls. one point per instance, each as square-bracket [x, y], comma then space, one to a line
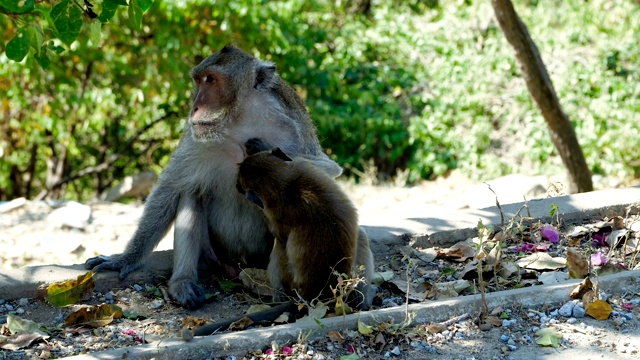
[567, 309]
[387, 354]
[572, 320]
[554, 313]
[628, 316]
[3, 300]
[619, 321]
[138, 287]
[415, 343]
[578, 312]
[396, 351]
[19, 311]
[532, 315]
[504, 338]
[9, 307]
[507, 323]
[23, 302]
[512, 347]
[633, 301]
[511, 342]
[109, 296]
[157, 304]
[527, 339]
[590, 329]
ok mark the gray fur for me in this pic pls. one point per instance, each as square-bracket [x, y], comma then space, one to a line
[197, 189]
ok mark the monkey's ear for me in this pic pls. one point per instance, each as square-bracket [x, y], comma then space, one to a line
[265, 75]
[280, 154]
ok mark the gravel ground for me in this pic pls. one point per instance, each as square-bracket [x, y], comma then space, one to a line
[28, 236]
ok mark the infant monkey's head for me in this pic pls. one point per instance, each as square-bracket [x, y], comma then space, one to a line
[262, 177]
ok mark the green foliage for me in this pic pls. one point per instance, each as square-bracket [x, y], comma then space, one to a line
[427, 86]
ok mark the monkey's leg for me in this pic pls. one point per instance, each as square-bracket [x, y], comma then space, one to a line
[159, 212]
[189, 238]
[276, 270]
[363, 296]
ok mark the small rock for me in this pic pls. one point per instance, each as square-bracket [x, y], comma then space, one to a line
[590, 329]
[157, 304]
[396, 351]
[73, 214]
[504, 338]
[20, 311]
[2, 301]
[633, 302]
[511, 342]
[387, 354]
[567, 309]
[512, 347]
[619, 321]
[23, 302]
[571, 320]
[109, 296]
[628, 316]
[414, 343]
[137, 287]
[578, 312]
[9, 307]
[554, 313]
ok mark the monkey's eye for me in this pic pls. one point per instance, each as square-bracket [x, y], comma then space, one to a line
[209, 78]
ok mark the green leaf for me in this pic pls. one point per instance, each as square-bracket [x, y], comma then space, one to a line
[72, 291]
[94, 33]
[17, 324]
[109, 8]
[548, 337]
[67, 18]
[17, 6]
[42, 58]
[554, 210]
[116, 2]
[145, 4]
[135, 15]
[227, 285]
[36, 37]
[353, 356]
[18, 47]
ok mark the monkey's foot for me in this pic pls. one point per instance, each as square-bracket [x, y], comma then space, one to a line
[114, 263]
[186, 293]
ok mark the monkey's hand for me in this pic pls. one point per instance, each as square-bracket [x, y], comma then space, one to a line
[114, 262]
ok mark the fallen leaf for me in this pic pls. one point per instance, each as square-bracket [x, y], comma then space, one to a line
[507, 269]
[19, 341]
[379, 339]
[548, 337]
[616, 237]
[552, 277]
[427, 255]
[283, 318]
[342, 308]
[493, 320]
[364, 329]
[241, 324]
[599, 310]
[19, 325]
[315, 313]
[436, 328]
[582, 288]
[380, 277]
[257, 307]
[458, 252]
[541, 261]
[335, 336]
[228, 285]
[577, 264]
[94, 316]
[72, 291]
[191, 322]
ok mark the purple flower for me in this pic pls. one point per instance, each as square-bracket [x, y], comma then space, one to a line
[598, 259]
[286, 350]
[599, 239]
[529, 248]
[550, 233]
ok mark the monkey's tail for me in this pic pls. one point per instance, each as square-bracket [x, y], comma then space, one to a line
[268, 315]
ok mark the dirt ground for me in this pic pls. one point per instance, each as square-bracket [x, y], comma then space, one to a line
[28, 238]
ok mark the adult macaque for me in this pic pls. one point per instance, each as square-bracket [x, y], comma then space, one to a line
[237, 97]
[314, 223]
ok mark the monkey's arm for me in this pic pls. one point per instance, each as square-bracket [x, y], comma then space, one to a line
[268, 315]
[157, 217]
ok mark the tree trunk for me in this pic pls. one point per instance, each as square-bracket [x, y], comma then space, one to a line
[535, 74]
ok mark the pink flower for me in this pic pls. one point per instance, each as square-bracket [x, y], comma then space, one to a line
[550, 233]
[598, 259]
[599, 239]
[529, 248]
[627, 306]
[286, 350]
[129, 332]
[269, 351]
[351, 349]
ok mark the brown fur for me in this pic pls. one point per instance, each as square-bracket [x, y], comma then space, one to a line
[313, 220]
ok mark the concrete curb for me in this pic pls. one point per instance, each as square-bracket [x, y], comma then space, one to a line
[436, 311]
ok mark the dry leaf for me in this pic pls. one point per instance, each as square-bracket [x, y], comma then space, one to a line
[458, 252]
[436, 328]
[191, 322]
[335, 336]
[364, 329]
[19, 341]
[577, 264]
[599, 310]
[541, 261]
[241, 324]
[582, 288]
[94, 316]
[493, 320]
[379, 339]
[72, 291]
[257, 308]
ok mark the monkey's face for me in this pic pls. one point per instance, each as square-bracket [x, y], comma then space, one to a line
[219, 82]
[262, 178]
